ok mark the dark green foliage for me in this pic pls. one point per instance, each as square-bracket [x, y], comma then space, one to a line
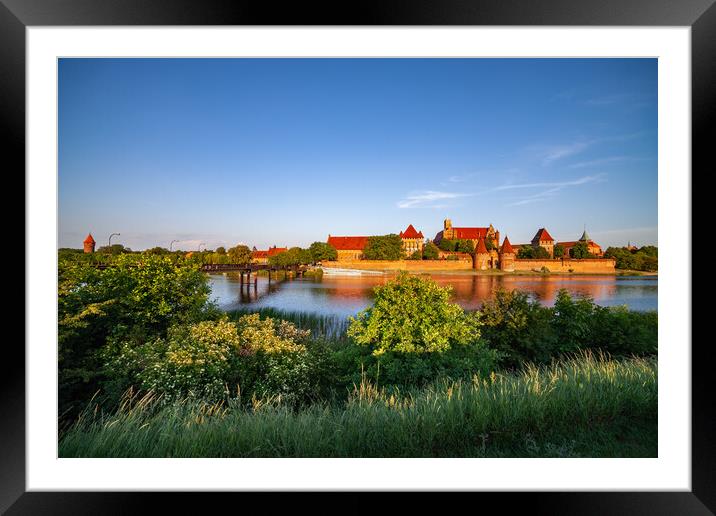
[293, 256]
[457, 245]
[417, 255]
[523, 330]
[643, 259]
[321, 251]
[431, 251]
[580, 250]
[558, 251]
[114, 249]
[387, 247]
[530, 252]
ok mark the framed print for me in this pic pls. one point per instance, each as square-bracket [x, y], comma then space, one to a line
[415, 250]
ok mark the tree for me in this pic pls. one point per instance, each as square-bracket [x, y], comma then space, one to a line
[387, 247]
[465, 246]
[431, 251]
[220, 250]
[528, 252]
[558, 251]
[489, 244]
[157, 250]
[580, 250]
[417, 255]
[447, 245]
[239, 254]
[411, 314]
[321, 251]
[114, 249]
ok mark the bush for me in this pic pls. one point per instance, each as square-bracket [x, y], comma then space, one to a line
[208, 360]
[518, 327]
[387, 247]
[137, 299]
[411, 314]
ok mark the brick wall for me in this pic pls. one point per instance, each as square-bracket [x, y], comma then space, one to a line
[602, 265]
[408, 265]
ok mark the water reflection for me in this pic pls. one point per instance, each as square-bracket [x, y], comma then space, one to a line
[346, 295]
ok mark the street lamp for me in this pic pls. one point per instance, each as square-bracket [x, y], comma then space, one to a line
[109, 242]
[171, 244]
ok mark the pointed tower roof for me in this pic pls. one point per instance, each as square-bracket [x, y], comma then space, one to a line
[89, 239]
[585, 236]
[507, 247]
[543, 236]
[481, 248]
[411, 232]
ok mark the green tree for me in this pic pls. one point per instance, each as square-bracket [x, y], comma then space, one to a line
[447, 245]
[431, 251]
[137, 299]
[465, 246]
[580, 250]
[558, 251]
[220, 250]
[322, 251]
[530, 252]
[114, 249]
[239, 254]
[411, 314]
[386, 247]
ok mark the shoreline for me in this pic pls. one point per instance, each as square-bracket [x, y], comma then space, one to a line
[472, 272]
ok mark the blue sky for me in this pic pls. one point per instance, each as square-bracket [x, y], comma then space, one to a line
[285, 151]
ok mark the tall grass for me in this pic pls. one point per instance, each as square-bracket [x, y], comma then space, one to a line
[587, 405]
[327, 326]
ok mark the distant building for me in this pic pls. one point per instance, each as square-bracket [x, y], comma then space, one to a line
[348, 247]
[475, 234]
[592, 246]
[544, 240]
[413, 240]
[263, 256]
[89, 244]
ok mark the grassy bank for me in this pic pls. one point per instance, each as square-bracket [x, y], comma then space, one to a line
[586, 406]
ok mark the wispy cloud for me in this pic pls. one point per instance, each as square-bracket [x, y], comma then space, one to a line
[556, 184]
[548, 154]
[599, 162]
[552, 189]
[429, 199]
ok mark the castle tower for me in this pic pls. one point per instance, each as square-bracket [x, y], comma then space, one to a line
[481, 259]
[447, 224]
[89, 244]
[507, 256]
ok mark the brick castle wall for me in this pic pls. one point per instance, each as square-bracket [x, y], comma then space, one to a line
[600, 265]
[407, 265]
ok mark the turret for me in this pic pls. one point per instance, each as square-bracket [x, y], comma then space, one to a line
[507, 256]
[89, 244]
[481, 258]
[447, 224]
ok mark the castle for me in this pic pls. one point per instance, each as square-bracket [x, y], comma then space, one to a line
[489, 252]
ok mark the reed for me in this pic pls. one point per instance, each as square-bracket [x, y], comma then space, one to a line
[587, 405]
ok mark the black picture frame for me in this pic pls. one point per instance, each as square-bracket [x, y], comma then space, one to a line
[700, 15]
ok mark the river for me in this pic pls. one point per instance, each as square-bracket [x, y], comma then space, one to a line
[344, 295]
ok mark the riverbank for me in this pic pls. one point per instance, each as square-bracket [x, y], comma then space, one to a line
[588, 406]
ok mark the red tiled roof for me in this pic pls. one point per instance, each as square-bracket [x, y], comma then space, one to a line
[470, 233]
[276, 250]
[573, 243]
[348, 243]
[543, 236]
[259, 254]
[507, 247]
[481, 247]
[89, 239]
[410, 232]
